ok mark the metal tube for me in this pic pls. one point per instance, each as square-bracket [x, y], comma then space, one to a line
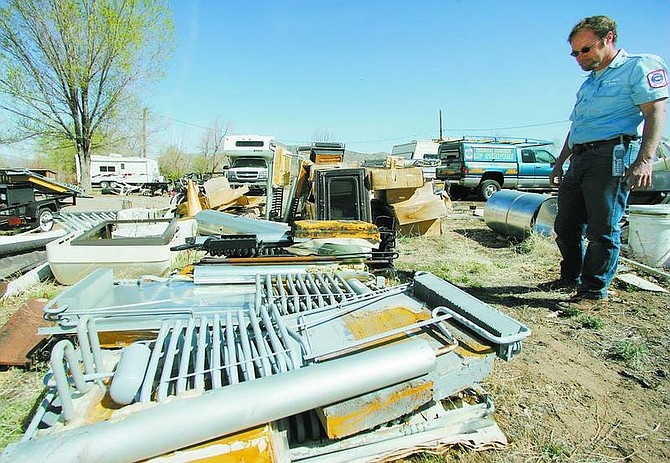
[247, 364]
[237, 273]
[129, 373]
[303, 289]
[231, 361]
[216, 353]
[89, 345]
[145, 393]
[296, 359]
[294, 292]
[259, 294]
[282, 295]
[200, 355]
[259, 342]
[335, 287]
[170, 355]
[326, 289]
[84, 345]
[157, 430]
[65, 349]
[275, 343]
[315, 289]
[358, 287]
[185, 360]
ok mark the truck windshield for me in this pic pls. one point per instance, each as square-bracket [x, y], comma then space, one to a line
[249, 162]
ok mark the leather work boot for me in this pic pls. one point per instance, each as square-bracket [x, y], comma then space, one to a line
[581, 302]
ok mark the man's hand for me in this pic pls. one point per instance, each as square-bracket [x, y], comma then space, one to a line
[639, 174]
[556, 175]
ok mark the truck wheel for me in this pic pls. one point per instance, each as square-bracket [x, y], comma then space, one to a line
[488, 188]
[104, 185]
[45, 219]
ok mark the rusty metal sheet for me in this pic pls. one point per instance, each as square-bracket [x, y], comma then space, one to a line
[313, 229]
[18, 337]
[262, 444]
[369, 410]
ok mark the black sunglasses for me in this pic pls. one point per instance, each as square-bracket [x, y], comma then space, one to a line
[575, 53]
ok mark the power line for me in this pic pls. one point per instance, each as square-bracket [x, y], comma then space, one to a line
[427, 134]
[387, 139]
[180, 121]
[512, 127]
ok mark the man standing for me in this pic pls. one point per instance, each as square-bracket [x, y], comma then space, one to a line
[607, 158]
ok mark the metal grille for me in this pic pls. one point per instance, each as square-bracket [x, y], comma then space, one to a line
[218, 351]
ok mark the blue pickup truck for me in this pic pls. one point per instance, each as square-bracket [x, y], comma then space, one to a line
[486, 165]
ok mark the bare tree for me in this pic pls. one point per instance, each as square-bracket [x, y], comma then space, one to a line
[70, 66]
[323, 135]
[212, 146]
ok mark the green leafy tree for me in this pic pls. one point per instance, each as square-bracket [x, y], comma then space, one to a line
[174, 162]
[68, 68]
[59, 158]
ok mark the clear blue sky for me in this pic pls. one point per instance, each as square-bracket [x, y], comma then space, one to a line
[375, 73]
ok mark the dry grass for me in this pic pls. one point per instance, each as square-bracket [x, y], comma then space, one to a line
[9, 305]
[586, 387]
[19, 392]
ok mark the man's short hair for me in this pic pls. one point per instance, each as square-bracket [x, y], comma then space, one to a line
[600, 25]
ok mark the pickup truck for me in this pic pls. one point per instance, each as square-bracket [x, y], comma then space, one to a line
[485, 165]
[248, 170]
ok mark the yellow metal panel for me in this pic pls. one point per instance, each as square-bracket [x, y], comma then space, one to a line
[358, 414]
[313, 229]
[369, 324]
[257, 445]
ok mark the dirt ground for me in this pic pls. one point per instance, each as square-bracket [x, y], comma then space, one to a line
[586, 387]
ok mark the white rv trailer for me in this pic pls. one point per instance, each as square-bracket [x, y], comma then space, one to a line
[115, 169]
[420, 150]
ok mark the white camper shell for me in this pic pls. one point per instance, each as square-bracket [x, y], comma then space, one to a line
[422, 152]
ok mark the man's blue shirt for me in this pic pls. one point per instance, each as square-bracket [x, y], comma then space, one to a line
[607, 102]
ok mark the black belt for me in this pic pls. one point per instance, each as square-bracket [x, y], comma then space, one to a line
[578, 148]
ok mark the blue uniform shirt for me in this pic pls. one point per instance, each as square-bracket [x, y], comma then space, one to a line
[607, 102]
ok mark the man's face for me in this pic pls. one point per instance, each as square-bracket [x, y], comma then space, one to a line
[596, 56]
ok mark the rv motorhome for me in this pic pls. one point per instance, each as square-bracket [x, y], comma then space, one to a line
[249, 158]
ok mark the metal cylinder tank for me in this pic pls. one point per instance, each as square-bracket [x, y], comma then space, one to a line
[517, 213]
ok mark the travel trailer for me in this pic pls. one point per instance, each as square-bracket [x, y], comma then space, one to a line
[108, 171]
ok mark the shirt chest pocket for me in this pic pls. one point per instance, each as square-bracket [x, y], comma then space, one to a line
[608, 89]
[607, 99]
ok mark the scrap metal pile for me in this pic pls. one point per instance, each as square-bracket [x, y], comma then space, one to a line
[266, 363]
[281, 344]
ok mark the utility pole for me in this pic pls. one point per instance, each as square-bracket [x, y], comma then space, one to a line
[440, 125]
[144, 132]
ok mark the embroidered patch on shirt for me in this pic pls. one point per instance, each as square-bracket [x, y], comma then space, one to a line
[657, 78]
